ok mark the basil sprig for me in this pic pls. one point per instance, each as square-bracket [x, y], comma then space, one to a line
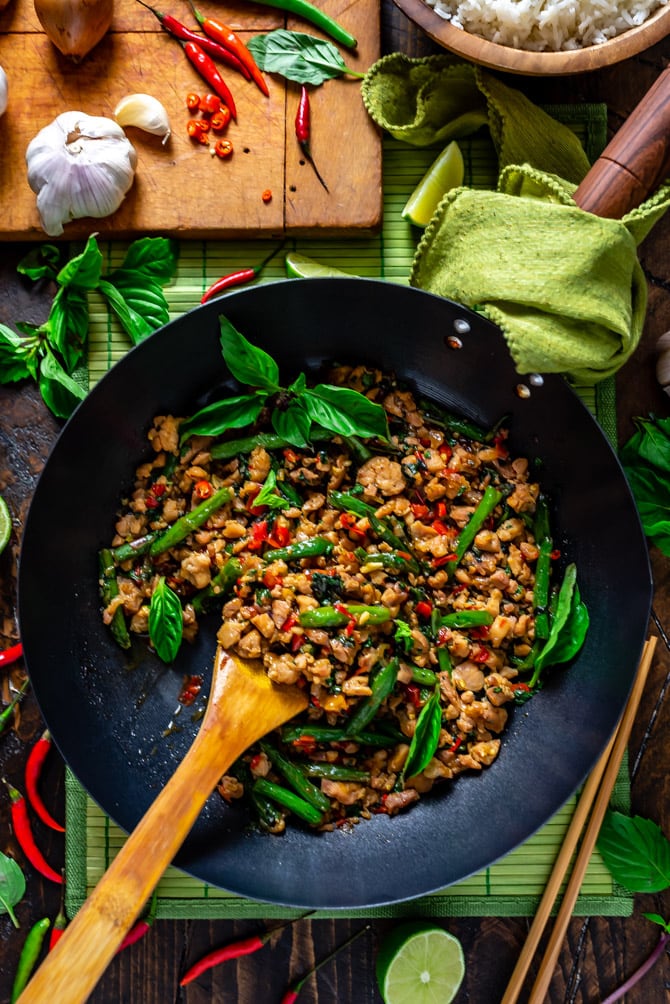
[299, 56]
[569, 623]
[635, 851]
[166, 623]
[646, 461]
[426, 736]
[294, 409]
[12, 886]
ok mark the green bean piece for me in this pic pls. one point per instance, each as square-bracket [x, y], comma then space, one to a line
[220, 586]
[29, 956]
[289, 800]
[348, 502]
[467, 619]
[291, 494]
[343, 613]
[543, 539]
[109, 589]
[396, 561]
[489, 501]
[190, 521]
[295, 778]
[358, 449]
[314, 547]
[133, 548]
[456, 423]
[424, 677]
[270, 440]
[334, 771]
[269, 816]
[444, 660]
[331, 734]
[382, 686]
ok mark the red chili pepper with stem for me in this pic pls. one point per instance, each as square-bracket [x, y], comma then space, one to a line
[209, 73]
[11, 654]
[291, 994]
[140, 927]
[178, 30]
[237, 278]
[34, 765]
[25, 838]
[59, 924]
[233, 950]
[225, 36]
[303, 130]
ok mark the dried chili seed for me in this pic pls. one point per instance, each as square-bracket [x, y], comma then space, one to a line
[192, 101]
[219, 121]
[209, 104]
[223, 148]
[267, 195]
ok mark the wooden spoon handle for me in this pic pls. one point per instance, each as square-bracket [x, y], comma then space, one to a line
[635, 161]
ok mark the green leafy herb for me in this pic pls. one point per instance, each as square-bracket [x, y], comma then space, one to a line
[426, 736]
[295, 410]
[646, 461]
[635, 851]
[569, 624]
[299, 57]
[12, 886]
[403, 635]
[268, 496]
[165, 621]
[326, 588]
[52, 352]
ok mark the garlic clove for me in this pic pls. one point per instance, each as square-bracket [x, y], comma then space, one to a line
[144, 112]
[663, 361]
[4, 87]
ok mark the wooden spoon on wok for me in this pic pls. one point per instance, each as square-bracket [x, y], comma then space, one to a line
[243, 704]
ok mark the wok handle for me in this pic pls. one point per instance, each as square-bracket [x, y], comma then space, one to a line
[635, 161]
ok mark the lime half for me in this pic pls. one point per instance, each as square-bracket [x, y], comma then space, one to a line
[5, 524]
[445, 173]
[301, 267]
[419, 963]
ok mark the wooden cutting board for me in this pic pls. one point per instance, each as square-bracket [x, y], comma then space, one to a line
[181, 189]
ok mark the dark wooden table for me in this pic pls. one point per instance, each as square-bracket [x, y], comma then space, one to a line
[598, 953]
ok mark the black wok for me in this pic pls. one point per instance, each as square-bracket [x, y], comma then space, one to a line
[109, 716]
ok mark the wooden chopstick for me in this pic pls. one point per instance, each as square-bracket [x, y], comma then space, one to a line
[596, 793]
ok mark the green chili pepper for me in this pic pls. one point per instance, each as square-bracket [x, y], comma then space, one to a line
[318, 17]
[396, 561]
[189, 522]
[296, 779]
[290, 801]
[467, 619]
[133, 548]
[109, 589]
[29, 956]
[7, 712]
[382, 686]
[334, 771]
[489, 501]
[220, 586]
[315, 547]
[331, 734]
[343, 613]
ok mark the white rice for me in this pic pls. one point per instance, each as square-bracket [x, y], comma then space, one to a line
[546, 25]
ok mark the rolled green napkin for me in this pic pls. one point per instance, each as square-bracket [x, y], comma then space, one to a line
[565, 286]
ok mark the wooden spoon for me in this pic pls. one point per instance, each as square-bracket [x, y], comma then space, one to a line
[243, 705]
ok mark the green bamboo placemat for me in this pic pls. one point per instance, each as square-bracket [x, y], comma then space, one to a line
[511, 887]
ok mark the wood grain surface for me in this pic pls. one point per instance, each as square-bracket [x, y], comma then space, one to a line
[180, 188]
[599, 953]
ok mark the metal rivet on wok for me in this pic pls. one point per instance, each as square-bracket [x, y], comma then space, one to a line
[454, 342]
[462, 327]
[536, 380]
[522, 390]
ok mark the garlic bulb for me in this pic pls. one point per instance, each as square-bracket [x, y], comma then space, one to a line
[663, 361]
[75, 26]
[79, 165]
[3, 91]
[145, 112]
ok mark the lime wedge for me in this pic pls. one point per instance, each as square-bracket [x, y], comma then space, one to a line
[5, 524]
[445, 173]
[301, 267]
[419, 963]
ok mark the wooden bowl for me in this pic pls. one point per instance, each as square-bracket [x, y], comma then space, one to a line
[523, 61]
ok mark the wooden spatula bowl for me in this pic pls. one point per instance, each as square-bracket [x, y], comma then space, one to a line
[243, 706]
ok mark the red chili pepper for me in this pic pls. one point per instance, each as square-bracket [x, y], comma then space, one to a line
[280, 536]
[443, 529]
[445, 451]
[203, 489]
[223, 148]
[455, 745]
[351, 625]
[234, 950]
[259, 534]
[266, 196]
[25, 838]
[194, 127]
[209, 73]
[237, 279]
[555, 554]
[444, 559]
[192, 101]
[209, 104]
[221, 119]
[303, 130]
[59, 924]
[140, 927]
[305, 744]
[424, 608]
[480, 654]
[291, 994]
[441, 510]
[191, 687]
[419, 511]
[225, 36]
[413, 694]
[34, 764]
[178, 30]
[11, 654]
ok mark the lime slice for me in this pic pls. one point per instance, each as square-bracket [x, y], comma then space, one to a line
[5, 524]
[445, 173]
[419, 963]
[301, 267]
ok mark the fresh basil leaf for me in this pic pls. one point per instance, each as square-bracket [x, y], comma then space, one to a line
[12, 886]
[569, 615]
[217, 418]
[293, 423]
[426, 736]
[403, 635]
[40, 263]
[152, 257]
[166, 624]
[298, 385]
[635, 851]
[656, 918]
[61, 393]
[17, 356]
[139, 304]
[268, 496]
[345, 411]
[297, 56]
[84, 269]
[67, 325]
[650, 490]
[650, 444]
[248, 364]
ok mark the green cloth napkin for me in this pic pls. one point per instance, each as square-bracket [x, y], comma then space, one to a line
[564, 286]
